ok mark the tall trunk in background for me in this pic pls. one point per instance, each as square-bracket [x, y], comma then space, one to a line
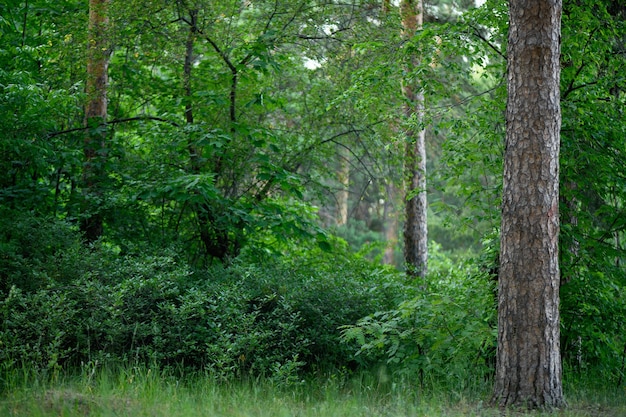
[390, 221]
[189, 45]
[415, 229]
[390, 208]
[343, 177]
[528, 363]
[202, 210]
[91, 223]
[212, 229]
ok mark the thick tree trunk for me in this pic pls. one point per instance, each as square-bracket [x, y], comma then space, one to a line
[95, 117]
[415, 229]
[528, 369]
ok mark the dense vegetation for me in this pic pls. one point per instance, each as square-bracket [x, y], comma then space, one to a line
[238, 137]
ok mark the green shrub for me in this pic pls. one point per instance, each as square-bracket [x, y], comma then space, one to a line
[36, 252]
[275, 318]
[328, 289]
[592, 317]
[446, 331]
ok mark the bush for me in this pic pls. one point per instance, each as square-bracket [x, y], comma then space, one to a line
[592, 317]
[275, 318]
[327, 290]
[36, 252]
[445, 332]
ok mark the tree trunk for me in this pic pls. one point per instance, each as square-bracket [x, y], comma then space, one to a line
[95, 117]
[343, 176]
[390, 221]
[188, 65]
[213, 231]
[415, 229]
[528, 368]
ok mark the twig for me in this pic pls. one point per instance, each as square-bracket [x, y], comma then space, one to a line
[113, 122]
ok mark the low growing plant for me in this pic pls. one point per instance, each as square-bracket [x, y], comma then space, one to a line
[446, 331]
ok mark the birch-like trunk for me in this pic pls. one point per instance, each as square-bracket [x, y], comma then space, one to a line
[343, 177]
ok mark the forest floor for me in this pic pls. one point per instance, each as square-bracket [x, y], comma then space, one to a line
[129, 394]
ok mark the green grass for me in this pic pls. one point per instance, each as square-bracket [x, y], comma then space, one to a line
[138, 391]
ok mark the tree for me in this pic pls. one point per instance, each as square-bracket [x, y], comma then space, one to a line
[95, 118]
[343, 177]
[528, 368]
[415, 226]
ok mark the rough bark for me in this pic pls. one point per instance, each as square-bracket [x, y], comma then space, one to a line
[528, 368]
[95, 116]
[415, 229]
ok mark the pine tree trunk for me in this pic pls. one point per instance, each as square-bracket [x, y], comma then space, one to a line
[415, 227]
[95, 116]
[528, 369]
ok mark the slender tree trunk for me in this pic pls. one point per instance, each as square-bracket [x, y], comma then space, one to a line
[390, 221]
[202, 210]
[189, 119]
[95, 116]
[415, 229]
[528, 368]
[343, 176]
[390, 209]
[212, 233]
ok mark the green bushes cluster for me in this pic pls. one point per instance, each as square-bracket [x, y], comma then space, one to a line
[36, 252]
[63, 304]
[445, 331]
[272, 317]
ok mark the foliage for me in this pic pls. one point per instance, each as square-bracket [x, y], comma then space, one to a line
[275, 317]
[592, 201]
[592, 325]
[210, 156]
[36, 252]
[592, 153]
[439, 333]
[234, 160]
[362, 239]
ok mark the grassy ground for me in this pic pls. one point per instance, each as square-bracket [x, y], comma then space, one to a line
[142, 392]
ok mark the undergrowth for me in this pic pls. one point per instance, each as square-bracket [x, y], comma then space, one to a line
[148, 391]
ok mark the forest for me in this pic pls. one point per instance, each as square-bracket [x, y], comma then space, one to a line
[310, 207]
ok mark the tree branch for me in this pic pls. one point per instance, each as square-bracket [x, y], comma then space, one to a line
[476, 32]
[113, 122]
